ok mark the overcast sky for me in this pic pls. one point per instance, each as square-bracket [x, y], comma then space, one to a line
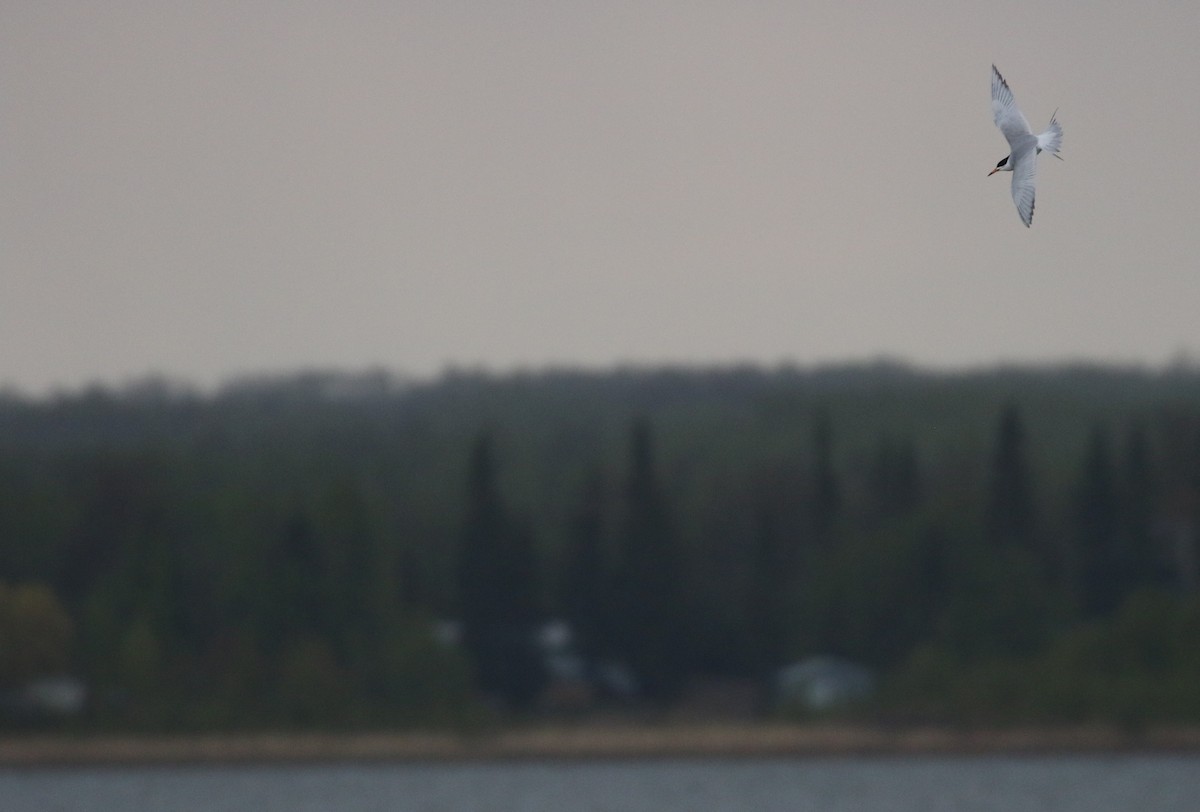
[207, 189]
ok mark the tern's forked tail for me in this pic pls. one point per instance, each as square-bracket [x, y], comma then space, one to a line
[1051, 140]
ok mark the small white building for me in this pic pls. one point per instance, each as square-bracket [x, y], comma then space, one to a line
[822, 683]
[49, 697]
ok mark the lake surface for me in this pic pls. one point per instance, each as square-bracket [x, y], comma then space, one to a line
[1120, 783]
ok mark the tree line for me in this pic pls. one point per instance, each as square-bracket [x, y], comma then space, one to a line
[1004, 544]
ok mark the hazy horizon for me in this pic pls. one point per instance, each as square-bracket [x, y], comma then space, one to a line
[210, 191]
[391, 379]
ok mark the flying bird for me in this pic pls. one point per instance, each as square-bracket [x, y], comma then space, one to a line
[1024, 146]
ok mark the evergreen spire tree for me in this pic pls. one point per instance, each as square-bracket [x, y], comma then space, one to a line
[827, 494]
[651, 636]
[1101, 568]
[894, 482]
[1138, 485]
[770, 579]
[587, 597]
[1010, 510]
[498, 588]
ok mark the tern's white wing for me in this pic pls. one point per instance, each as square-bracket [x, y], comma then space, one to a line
[1005, 113]
[1024, 172]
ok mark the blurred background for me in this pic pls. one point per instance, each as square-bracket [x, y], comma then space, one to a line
[868, 541]
[424, 364]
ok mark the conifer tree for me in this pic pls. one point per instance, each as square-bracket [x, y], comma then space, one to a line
[498, 589]
[1101, 569]
[827, 495]
[894, 482]
[293, 596]
[652, 637]
[770, 580]
[1138, 484]
[1010, 515]
[587, 596]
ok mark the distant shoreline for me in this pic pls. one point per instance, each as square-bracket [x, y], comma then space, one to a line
[582, 743]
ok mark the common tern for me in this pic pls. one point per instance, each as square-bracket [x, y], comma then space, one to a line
[1024, 145]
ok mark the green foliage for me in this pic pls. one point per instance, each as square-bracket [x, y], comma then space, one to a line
[827, 493]
[35, 634]
[1011, 514]
[312, 687]
[651, 636]
[894, 483]
[419, 680]
[271, 554]
[999, 605]
[589, 595]
[1102, 568]
[1141, 668]
[889, 591]
[499, 588]
[139, 660]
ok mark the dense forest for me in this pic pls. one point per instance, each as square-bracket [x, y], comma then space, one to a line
[1003, 545]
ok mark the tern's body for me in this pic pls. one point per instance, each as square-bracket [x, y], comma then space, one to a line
[1024, 146]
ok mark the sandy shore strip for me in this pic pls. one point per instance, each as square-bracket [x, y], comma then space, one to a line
[582, 742]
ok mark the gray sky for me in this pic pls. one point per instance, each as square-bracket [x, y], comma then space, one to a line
[204, 189]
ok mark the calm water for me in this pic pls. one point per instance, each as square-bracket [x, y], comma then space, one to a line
[1091, 784]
